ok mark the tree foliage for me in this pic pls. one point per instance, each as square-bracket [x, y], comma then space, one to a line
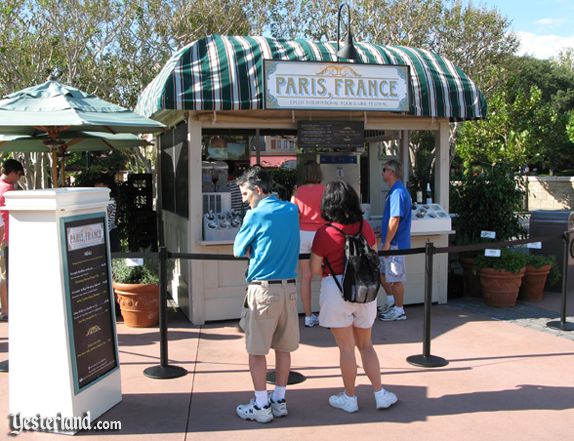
[527, 120]
[114, 48]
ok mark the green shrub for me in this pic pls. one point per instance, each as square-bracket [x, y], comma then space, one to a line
[145, 274]
[509, 260]
[487, 198]
[539, 260]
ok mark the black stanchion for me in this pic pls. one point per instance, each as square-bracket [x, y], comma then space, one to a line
[426, 359]
[164, 370]
[562, 324]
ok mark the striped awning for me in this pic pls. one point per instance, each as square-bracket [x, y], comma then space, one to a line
[226, 73]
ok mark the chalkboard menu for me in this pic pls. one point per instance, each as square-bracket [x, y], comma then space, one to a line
[89, 299]
[341, 135]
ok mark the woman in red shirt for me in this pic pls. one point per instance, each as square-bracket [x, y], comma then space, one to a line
[350, 323]
[308, 197]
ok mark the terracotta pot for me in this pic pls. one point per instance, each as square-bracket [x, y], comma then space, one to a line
[139, 304]
[471, 282]
[499, 287]
[532, 288]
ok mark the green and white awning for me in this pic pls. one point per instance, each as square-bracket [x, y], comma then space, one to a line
[226, 73]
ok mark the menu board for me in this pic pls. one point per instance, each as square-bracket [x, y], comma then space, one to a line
[342, 135]
[90, 314]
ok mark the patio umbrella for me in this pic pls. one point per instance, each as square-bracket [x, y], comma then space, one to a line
[69, 142]
[51, 109]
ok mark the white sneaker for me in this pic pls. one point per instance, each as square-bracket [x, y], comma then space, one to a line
[385, 308]
[385, 398]
[251, 411]
[311, 321]
[392, 315]
[344, 402]
[278, 408]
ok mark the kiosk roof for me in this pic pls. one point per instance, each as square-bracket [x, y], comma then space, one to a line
[226, 73]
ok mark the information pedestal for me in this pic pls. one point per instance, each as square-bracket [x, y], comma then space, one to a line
[63, 343]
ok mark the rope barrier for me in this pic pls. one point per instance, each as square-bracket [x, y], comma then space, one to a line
[423, 360]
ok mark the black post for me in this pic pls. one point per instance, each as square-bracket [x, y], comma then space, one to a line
[164, 370]
[563, 325]
[426, 359]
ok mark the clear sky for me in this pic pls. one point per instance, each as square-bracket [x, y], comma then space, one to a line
[543, 26]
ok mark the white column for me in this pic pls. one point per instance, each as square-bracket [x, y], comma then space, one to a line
[196, 288]
[404, 152]
[63, 342]
[442, 166]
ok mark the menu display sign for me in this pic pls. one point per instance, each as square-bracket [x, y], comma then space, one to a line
[342, 135]
[89, 299]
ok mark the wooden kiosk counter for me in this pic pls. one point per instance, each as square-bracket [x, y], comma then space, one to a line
[231, 102]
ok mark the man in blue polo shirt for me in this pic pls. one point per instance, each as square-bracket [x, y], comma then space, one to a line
[395, 235]
[269, 236]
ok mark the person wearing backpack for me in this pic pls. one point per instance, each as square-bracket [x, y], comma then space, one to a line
[350, 321]
[395, 234]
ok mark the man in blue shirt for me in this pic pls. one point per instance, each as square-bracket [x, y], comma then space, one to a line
[395, 234]
[269, 236]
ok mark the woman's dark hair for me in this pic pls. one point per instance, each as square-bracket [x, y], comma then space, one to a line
[341, 203]
[309, 173]
[256, 176]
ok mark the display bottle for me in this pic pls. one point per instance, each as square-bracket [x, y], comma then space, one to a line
[428, 193]
[419, 193]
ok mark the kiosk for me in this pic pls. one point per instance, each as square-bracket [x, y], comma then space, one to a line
[238, 98]
[63, 342]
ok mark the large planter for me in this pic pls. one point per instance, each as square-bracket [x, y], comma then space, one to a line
[499, 287]
[532, 288]
[471, 282]
[139, 304]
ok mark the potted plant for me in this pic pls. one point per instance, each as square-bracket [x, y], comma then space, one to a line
[487, 198]
[137, 292]
[501, 277]
[538, 268]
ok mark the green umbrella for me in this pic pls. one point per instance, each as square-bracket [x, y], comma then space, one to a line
[70, 142]
[52, 108]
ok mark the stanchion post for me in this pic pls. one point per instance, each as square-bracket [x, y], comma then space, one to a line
[562, 324]
[426, 359]
[164, 370]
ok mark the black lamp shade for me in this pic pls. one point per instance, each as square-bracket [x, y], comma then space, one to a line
[348, 51]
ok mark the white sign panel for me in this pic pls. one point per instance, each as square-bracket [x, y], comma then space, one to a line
[491, 253]
[85, 236]
[336, 86]
[488, 234]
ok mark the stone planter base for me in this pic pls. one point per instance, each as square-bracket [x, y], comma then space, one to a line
[532, 288]
[500, 288]
[139, 304]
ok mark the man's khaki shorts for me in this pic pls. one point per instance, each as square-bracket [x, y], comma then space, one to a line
[270, 319]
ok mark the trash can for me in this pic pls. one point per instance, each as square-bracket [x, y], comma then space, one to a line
[553, 222]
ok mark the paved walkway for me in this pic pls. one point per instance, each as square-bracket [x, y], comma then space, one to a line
[504, 381]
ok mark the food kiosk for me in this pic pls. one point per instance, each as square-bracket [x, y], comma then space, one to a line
[234, 101]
